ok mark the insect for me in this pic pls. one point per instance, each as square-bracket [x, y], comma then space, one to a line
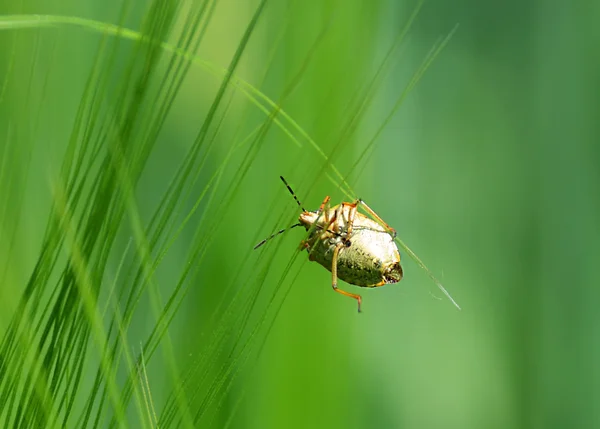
[355, 248]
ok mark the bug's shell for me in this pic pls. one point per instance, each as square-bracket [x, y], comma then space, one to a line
[372, 258]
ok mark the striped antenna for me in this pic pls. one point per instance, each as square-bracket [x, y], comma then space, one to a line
[292, 192]
[290, 227]
[276, 234]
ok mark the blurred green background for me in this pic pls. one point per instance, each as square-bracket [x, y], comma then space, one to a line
[488, 167]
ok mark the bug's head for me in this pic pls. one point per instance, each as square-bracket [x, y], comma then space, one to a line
[307, 219]
[393, 273]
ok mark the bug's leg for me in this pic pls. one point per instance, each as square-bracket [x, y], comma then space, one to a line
[304, 244]
[329, 221]
[336, 251]
[376, 216]
[334, 221]
[351, 215]
[324, 208]
[339, 214]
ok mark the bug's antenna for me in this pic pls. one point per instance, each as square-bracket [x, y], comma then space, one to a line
[276, 234]
[293, 194]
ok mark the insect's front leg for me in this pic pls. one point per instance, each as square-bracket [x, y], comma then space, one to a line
[334, 278]
[309, 242]
[381, 222]
[304, 244]
[324, 209]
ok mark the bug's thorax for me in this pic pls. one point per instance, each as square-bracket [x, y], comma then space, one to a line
[328, 218]
[308, 219]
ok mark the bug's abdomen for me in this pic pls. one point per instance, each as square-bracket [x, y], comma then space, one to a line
[365, 262]
[359, 270]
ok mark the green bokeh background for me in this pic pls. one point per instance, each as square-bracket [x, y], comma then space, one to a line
[489, 171]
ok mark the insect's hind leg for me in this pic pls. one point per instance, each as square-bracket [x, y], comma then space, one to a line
[381, 222]
[334, 278]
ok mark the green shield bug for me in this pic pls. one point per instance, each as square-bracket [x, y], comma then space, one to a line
[355, 248]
